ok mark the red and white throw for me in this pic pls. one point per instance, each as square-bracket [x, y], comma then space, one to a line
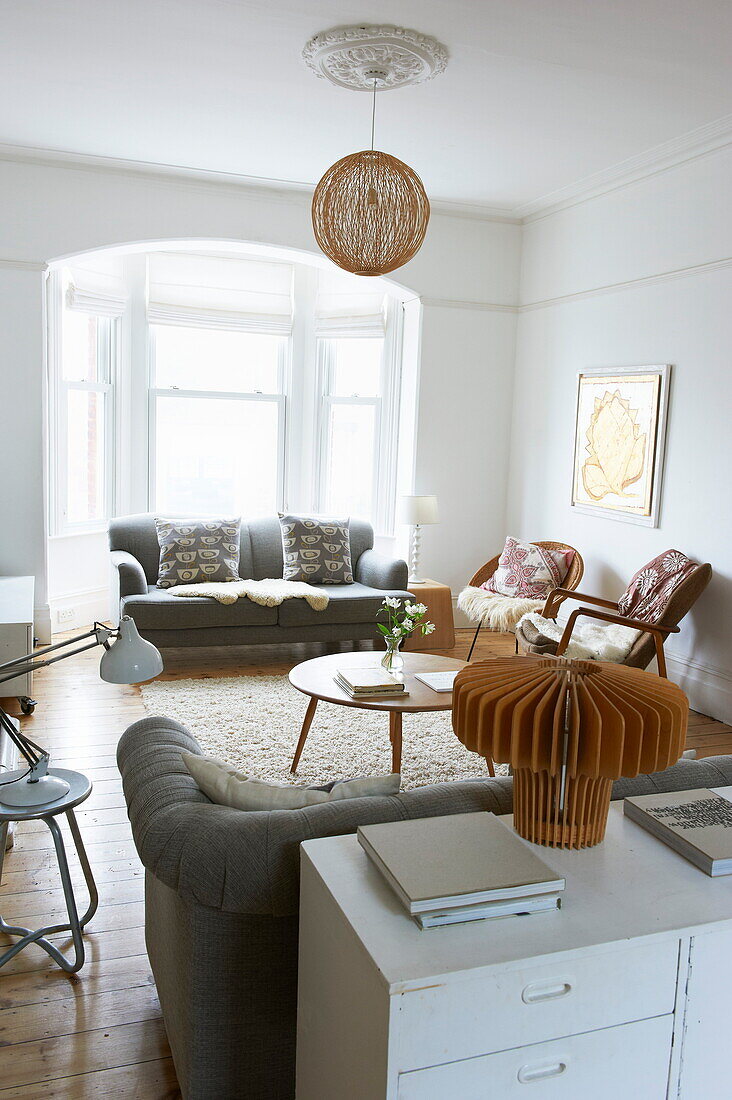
[648, 594]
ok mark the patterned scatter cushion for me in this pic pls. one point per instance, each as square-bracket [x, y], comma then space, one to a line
[647, 596]
[529, 572]
[197, 550]
[316, 550]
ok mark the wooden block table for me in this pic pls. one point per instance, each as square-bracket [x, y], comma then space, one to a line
[438, 600]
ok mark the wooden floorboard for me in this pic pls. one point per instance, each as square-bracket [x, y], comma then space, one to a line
[99, 1034]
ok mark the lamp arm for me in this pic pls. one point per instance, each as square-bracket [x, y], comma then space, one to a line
[20, 666]
[32, 752]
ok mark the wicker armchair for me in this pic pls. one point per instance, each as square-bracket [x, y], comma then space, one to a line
[574, 576]
[650, 642]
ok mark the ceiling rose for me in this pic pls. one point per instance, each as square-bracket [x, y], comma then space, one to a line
[355, 57]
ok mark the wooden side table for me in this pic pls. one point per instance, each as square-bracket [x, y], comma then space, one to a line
[437, 598]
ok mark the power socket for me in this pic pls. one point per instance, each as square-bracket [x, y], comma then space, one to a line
[65, 615]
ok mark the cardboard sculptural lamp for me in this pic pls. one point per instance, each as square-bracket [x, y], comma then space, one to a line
[568, 729]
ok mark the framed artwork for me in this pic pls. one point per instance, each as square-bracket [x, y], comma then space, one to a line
[619, 442]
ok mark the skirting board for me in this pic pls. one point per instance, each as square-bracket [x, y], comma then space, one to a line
[76, 610]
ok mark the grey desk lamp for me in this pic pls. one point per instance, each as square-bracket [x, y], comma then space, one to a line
[127, 659]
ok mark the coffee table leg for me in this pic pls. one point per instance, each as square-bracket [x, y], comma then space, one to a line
[307, 722]
[395, 736]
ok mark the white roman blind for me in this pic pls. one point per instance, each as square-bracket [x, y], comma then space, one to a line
[349, 305]
[101, 292]
[219, 292]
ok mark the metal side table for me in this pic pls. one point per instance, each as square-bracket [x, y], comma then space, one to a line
[80, 789]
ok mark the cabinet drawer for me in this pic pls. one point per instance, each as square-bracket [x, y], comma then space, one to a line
[514, 1007]
[632, 1059]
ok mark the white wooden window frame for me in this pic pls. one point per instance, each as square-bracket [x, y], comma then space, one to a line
[173, 392]
[386, 418]
[108, 358]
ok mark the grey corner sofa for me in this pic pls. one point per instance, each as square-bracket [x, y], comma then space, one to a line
[169, 620]
[221, 902]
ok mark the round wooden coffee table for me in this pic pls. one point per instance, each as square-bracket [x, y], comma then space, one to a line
[315, 678]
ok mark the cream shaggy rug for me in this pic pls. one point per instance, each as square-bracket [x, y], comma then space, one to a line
[254, 722]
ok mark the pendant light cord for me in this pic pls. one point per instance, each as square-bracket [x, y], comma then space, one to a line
[373, 117]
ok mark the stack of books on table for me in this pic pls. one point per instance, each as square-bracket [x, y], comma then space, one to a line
[362, 682]
[465, 867]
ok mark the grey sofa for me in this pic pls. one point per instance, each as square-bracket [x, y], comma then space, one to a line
[169, 620]
[221, 902]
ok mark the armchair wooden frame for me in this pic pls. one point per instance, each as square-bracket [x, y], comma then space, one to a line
[658, 633]
[574, 576]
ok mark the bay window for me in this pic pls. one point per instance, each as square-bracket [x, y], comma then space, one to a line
[245, 387]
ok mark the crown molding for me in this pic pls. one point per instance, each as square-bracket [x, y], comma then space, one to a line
[182, 175]
[257, 187]
[23, 265]
[711, 138]
[478, 211]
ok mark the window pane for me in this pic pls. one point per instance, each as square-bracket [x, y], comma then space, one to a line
[207, 359]
[349, 475]
[80, 341]
[356, 367]
[216, 456]
[85, 456]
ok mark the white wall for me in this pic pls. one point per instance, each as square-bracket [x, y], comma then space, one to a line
[639, 276]
[53, 209]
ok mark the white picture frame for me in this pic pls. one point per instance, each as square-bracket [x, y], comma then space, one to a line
[620, 442]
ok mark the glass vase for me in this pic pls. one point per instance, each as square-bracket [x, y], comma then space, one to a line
[392, 660]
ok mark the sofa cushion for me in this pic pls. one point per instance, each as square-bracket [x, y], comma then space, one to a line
[159, 610]
[316, 550]
[197, 551]
[348, 603]
[527, 571]
[227, 786]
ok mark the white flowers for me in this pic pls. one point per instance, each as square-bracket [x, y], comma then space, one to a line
[402, 621]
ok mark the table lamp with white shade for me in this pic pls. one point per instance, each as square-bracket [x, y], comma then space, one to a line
[417, 512]
[127, 659]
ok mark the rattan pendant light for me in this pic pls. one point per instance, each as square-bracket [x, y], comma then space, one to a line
[370, 213]
[370, 210]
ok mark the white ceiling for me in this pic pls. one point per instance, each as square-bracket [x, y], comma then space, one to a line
[538, 94]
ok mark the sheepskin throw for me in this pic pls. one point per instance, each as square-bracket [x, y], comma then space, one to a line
[268, 593]
[493, 610]
[590, 641]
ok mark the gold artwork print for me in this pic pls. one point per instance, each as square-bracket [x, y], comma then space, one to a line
[616, 449]
[616, 442]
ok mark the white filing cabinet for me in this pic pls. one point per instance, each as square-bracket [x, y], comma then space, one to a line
[625, 991]
[16, 632]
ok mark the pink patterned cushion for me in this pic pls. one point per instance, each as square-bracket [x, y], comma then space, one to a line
[527, 571]
[647, 596]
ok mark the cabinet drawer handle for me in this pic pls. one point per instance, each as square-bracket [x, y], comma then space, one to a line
[536, 992]
[541, 1072]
